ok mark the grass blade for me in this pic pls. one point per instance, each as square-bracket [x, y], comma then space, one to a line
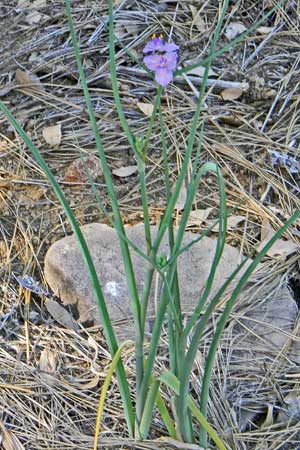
[105, 387]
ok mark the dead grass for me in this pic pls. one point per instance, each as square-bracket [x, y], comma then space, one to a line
[58, 409]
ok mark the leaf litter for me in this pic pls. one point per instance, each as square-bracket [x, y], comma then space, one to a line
[238, 135]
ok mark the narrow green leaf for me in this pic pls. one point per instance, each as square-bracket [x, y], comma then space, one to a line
[173, 383]
[169, 423]
[148, 410]
[105, 387]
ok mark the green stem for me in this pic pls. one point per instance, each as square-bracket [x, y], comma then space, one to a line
[216, 260]
[142, 177]
[174, 338]
[133, 292]
[151, 122]
[140, 157]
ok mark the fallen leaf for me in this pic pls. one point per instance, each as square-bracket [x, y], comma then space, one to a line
[48, 361]
[60, 314]
[291, 410]
[39, 4]
[48, 366]
[33, 17]
[199, 72]
[197, 19]
[21, 116]
[52, 135]
[233, 120]
[4, 90]
[227, 150]
[30, 284]
[146, 108]
[234, 29]
[34, 57]
[132, 28]
[231, 93]
[32, 193]
[28, 80]
[93, 344]
[233, 221]
[125, 171]
[3, 146]
[3, 252]
[77, 170]
[89, 385]
[120, 31]
[280, 247]
[23, 4]
[134, 53]
[269, 417]
[268, 93]
[198, 216]
[266, 231]
[265, 30]
[178, 444]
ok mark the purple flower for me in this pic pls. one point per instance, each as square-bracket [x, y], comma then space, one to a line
[155, 45]
[162, 58]
[163, 66]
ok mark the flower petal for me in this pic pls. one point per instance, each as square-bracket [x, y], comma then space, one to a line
[154, 45]
[171, 60]
[163, 77]
[170, 47]
[152, 61]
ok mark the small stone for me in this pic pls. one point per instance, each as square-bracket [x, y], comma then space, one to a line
[78, 170]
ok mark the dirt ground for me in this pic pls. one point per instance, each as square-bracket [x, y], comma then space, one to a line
[252, 130]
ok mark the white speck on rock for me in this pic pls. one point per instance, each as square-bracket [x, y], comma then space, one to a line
[112, 288]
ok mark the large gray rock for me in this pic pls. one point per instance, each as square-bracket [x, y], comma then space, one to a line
[67, 276]
[258, 335]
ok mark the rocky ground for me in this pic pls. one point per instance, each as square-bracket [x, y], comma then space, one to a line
[51, 374]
